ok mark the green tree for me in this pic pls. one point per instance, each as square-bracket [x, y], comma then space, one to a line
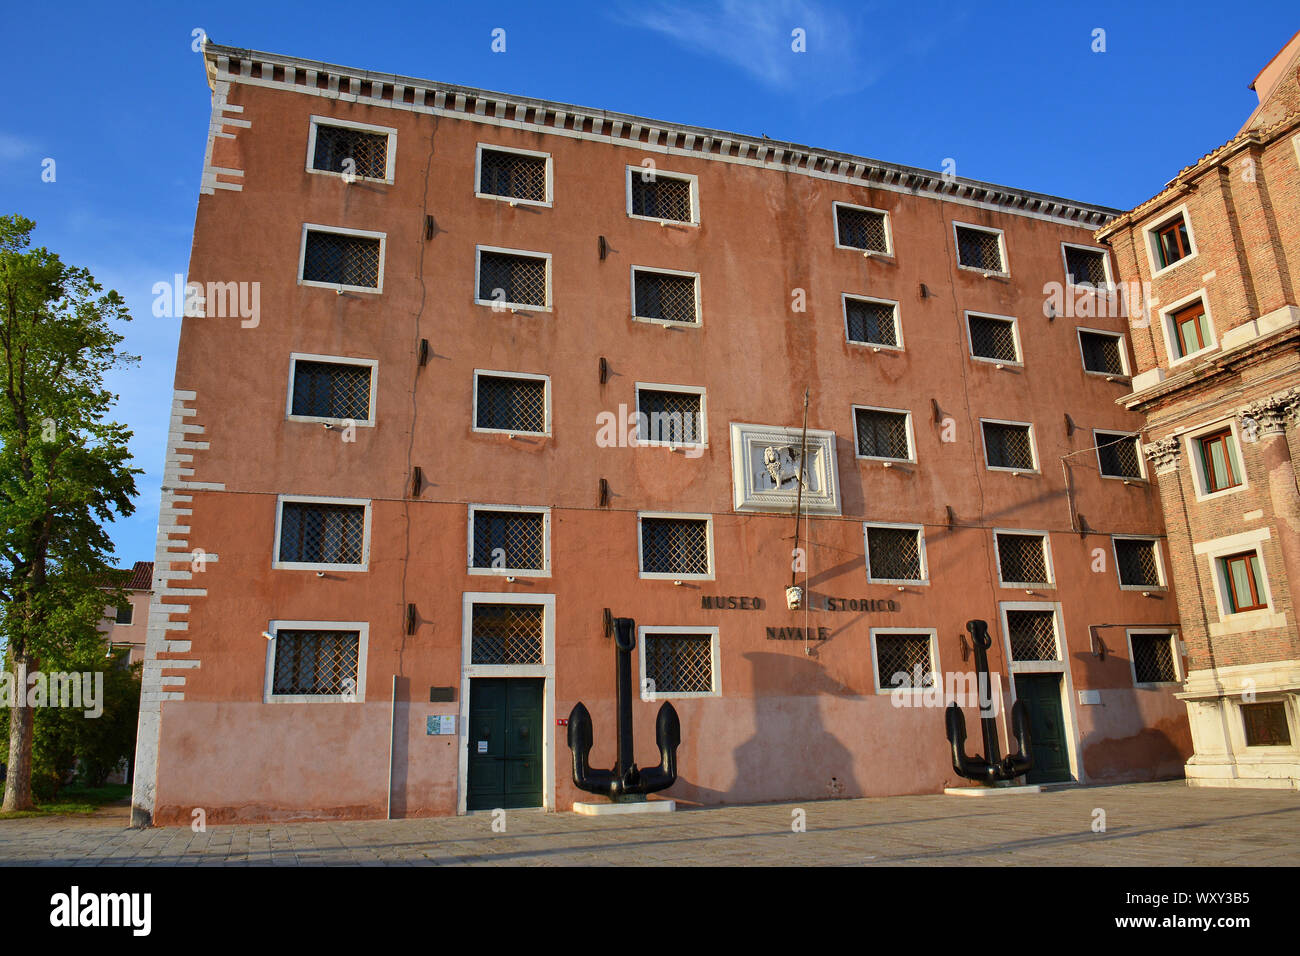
[64, 471]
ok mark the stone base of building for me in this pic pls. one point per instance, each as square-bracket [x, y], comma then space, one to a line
[990, 791]
[644, 806]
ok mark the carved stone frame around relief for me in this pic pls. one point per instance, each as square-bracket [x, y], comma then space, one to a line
[763, 455]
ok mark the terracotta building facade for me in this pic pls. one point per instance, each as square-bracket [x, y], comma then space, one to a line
[1217, 343]
[471, 374]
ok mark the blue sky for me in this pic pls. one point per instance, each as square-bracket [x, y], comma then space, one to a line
[1012, 92]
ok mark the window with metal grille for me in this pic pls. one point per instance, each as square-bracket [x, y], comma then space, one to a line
[659, 196]
[331, 390]
[312, 532]
[315, 663]
[894, 554]
[511, 404]
[337, 144]
[125, 614]
[669, 417]
[992, 338]
[898, 658]
[871, 323]
[1265, 724]
[1033, 636]
[509, 540]
[979, 249]
[1138, 564]
[512, 279]
[1086, 266]
[512, 175]
[1153, 658]
[1118, 455]
[662, 295]
[507, 634]
[1102, 353]
[339, 259]
[1022, 559]
[1008, 446]
[674, 546]
[679, 663]
[861, 229]
[882, 434]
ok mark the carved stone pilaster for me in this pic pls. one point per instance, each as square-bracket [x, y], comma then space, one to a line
[1163, 454]
[1270, 416]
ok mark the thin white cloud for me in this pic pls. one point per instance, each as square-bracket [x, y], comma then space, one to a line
[15, 147]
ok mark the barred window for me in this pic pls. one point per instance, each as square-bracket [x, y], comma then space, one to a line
[512, 175]
[660, 196]
[335, 145]
[900, 658]
[1008, 446]
[340, 259]
[315, 663]
[871, 323]
[1102, 352]
[1118, 455]
[1265, 724]
[331, 390]
[992, 338]
[678, 663]
[313, 532]
[512, 279]
[1085, 266]
[882, 434]
[1138, 563]
[861, 229]
[894, 554]
[980, 249]
[663, 295]
[675, 546]
[509, 540]
[505, 634]
[510, 404]
[670, 417]
[1153, 658]
[1033, 636]
[1022, 559]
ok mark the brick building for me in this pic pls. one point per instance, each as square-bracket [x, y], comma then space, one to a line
[472, 370]
[1218, 378]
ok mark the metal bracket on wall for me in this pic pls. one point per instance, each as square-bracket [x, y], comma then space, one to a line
[952, 516]
[410, 619]
[604, 493]
[609, 623]
[429, 227]
[604, 370]
[417, 481]
[1069, 424]
[602, 247]
[424, 352]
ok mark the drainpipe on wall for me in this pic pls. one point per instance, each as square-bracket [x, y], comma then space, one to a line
[392, 731]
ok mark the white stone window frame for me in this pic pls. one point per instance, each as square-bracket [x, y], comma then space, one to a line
[1017, 362]
[907, 424]
[1098, 434]
[1171, 634]
[1120, 337]
[1149, 240]
[685, 390]
[1033, 447]
[935, 669]
[282, 500]
[548, 203]
[671, 575]
[1002, 250]
[924, 579]
[1192, 452]
[672, 323]
[1105, 258]
[715, 664]
[390, 160]
[363, 640]
[543, 572]
[1162, 583]
[513, 306]
[1048, 564]
[1237, 622]
[888, 253]
[493, 373]
[1166, 314]
[342, 231]
[874, 346]
[296, 357]
[690, 178]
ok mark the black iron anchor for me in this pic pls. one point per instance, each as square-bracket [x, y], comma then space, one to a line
[990, 768]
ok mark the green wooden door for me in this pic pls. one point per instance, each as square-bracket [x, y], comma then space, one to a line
[505, 743]
[1042, 695]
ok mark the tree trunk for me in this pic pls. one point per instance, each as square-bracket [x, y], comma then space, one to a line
[18, 782]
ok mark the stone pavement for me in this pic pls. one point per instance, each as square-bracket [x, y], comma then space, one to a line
[1154, 824]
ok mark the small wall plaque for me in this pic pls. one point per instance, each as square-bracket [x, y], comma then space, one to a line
[442, 695]
[440, 725]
